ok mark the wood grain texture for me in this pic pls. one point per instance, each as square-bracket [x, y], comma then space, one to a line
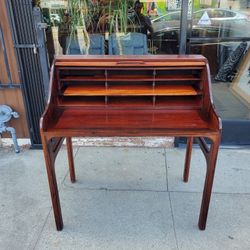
[3, 70]
[14, 99]
[127, 78]
[125, 61]
[115, 119]
[131, 90]
[14, 71]
[131, 104]
[11, 97]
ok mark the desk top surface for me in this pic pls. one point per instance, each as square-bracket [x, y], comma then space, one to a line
[129, 60]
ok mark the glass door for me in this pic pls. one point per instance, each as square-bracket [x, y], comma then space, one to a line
[220, 31]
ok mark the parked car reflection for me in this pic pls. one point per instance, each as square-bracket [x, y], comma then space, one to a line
[209, 22]
[172, 19]
[220, 14]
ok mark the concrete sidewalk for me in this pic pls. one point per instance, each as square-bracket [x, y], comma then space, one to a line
[124, 198]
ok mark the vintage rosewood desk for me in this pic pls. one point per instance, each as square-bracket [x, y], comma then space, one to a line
[130, 96]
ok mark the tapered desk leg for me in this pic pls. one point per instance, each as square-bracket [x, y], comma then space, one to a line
[70, 159]
[50, 166]
[188, 159]
[211, 163]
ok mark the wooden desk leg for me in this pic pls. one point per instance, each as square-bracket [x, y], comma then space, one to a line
[50, 166]
[211, 163]
[188, 159]
[71, 159]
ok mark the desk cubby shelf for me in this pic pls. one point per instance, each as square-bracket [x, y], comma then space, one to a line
[130, 86]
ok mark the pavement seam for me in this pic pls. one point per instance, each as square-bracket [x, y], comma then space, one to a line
[42, 229]
[76, 152]
[172, 215]
[199, 192]
[72, 186]
[170, 202]
[166, 167]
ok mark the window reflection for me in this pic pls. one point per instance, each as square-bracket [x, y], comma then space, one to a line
[106, 17]
[111, 27]
[159, 20]
[221, 33]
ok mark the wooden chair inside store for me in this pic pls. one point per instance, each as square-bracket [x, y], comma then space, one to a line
[130, 96]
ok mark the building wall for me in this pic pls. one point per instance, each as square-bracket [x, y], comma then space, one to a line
[234, 5]
[11, 97]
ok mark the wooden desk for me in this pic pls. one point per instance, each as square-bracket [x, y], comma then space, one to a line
[130, 96]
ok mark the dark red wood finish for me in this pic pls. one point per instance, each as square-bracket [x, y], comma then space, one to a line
[130, 96]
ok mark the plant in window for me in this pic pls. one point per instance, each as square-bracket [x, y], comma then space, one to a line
[115, 20]
[82, 20]
[118, 20]
[79, 21]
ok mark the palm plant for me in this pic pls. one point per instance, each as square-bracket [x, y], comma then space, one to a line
[80, 21]
[107, 16]
[119, 21]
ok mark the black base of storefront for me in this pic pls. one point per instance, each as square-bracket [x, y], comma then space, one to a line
[235, 132]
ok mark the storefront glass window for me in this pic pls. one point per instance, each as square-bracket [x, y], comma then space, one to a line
[108, 26]
[221, 32]
[218, 29]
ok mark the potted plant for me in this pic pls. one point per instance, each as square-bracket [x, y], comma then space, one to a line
[79, 21]
[125, 35]
[110, 18]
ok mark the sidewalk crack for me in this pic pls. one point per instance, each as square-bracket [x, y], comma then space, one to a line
[166, 167]
[172, 215]
[41, 231]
